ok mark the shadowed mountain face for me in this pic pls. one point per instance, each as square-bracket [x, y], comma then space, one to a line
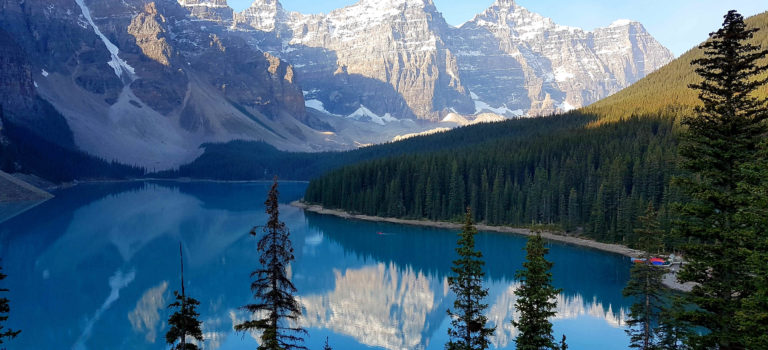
[146, 83]
[140, 83]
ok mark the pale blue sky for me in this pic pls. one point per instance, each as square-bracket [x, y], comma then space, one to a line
[677, 24]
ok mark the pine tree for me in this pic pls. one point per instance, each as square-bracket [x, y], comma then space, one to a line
[184, 322]
[645, 285]
[721, 138]
[5, 309]
[272, 288]
[468, 324]
[535, 299]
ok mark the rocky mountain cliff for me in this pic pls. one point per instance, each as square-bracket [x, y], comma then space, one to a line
[147, 83]
[405, 60]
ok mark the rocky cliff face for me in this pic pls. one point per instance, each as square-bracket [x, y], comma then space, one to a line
[147, 82]
[141, 83]
[521, 61]
[391, 52]
[507, 60]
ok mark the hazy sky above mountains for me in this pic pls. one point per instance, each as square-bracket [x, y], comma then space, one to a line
[677, 24]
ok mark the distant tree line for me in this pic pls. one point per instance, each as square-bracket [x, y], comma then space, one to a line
[24, 150]
[596, 179]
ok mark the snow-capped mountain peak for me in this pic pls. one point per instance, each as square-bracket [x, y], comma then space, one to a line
[621, 23]
[504, 4]
[389, 4]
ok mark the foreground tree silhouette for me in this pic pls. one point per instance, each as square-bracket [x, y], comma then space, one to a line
[326, 346]
[276, 305]
[645, 285]
[721, 139]
[535, 299]
[468, 324]
[184, 322]
[5, 308]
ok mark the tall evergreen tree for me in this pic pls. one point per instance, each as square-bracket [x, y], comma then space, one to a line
[753, 316]
[645, 285]
[184, 322]
[535, 299]
[5, 309]
[468, 323]
[721, 138]
[276, 304]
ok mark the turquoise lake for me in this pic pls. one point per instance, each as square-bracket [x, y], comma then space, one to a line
[96, 267]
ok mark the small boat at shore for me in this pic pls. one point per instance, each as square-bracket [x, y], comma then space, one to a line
[654, 261]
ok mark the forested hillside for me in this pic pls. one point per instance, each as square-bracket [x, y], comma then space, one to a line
[597, 179]
[24, 150]
[666, 90]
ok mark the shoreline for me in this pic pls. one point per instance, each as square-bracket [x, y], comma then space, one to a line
[669, 280]
[577, 241]
[155, 179]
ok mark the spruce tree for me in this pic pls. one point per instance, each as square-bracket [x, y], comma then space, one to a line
[276, 304]
[5, 309]
[753, 316]
[184, 322]
[722, 137]
[468, 328]
[535, 299]
[645, 285]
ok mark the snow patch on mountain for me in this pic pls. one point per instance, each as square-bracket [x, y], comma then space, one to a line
[118, 64]
[364, 113]
[561, 74]
[461, 120]
[481, 106]
[620, 23]
[565, 106]
[202, 4]
[316, 105]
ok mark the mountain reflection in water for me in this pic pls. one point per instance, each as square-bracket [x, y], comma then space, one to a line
[95, 268]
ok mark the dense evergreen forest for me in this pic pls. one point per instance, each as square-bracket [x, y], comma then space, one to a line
[581, 177]
[55, 159]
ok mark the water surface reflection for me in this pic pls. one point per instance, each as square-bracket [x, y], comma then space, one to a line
[95, 268]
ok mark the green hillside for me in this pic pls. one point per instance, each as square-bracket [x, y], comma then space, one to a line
[666, 92]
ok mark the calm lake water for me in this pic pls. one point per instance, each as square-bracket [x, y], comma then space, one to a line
[95, 268]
